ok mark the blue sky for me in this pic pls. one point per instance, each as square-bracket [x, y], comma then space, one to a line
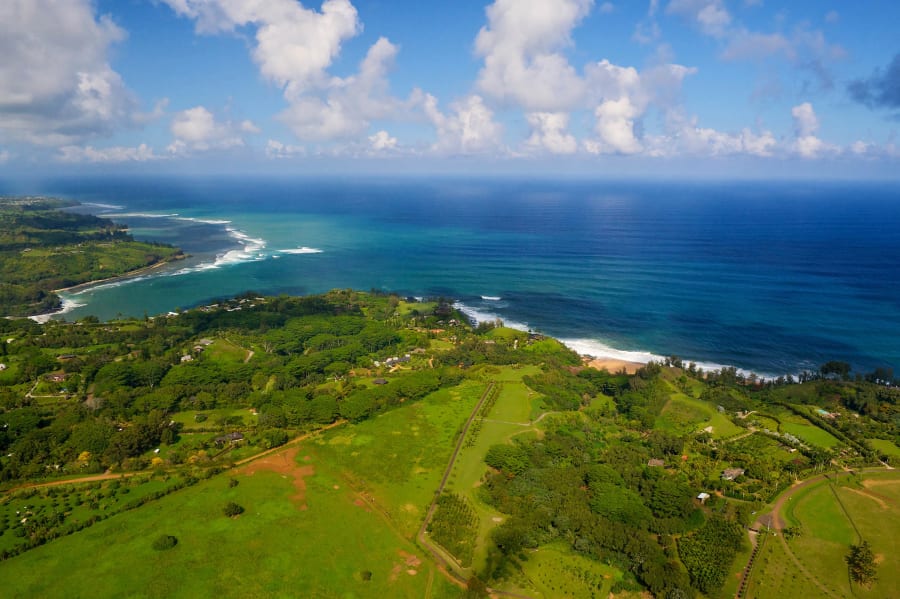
[704, 88]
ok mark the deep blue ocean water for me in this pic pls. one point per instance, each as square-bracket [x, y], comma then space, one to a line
[774, 278]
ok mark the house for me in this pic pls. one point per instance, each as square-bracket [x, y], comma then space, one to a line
[66, 357]
[232, 438]
[732, 473]
[702, 497]
[187, 358]
[656, 463]
[56, 377]
[380, 382]
[2, 367]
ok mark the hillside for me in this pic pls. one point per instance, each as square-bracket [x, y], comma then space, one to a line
[353, 444]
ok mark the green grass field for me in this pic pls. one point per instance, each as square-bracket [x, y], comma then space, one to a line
[222, 350]
[400, 455]
[326, 545]
[683, 414]
[885, 447]
[775, 577]
[808, 432]
[510, 417]
[827, 518]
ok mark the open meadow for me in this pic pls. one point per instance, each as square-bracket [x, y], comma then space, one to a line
[830, 517]
[303, 531]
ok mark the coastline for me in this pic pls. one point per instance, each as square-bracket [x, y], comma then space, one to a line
[125, 275]
[612, 365]
[68, 305]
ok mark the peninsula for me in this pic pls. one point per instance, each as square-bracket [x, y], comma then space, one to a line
[44, 248]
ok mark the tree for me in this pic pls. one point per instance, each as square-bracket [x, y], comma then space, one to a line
[164, 542]
[861, 562]
[232, 509]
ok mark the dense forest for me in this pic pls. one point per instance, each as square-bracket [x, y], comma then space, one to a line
[615, 475]
[43, 248]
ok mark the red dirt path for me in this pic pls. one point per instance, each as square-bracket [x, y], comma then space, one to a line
[284, 463]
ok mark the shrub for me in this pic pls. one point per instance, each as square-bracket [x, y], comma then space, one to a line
[164, 542]
[232, 509]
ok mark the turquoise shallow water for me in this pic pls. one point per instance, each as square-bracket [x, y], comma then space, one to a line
[773, 278]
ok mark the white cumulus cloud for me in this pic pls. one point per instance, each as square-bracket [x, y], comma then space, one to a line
[382, 140]
[806, 124]
[522, 49]
[197, 129]
[56, 84]
[469, 128]
[549, 132]
[295, 47]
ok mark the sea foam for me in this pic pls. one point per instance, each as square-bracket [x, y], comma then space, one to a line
[597, 349]
[301, 250]
[68, 304]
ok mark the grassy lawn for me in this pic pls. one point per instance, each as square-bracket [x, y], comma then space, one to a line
[222, 350]
[327, 547]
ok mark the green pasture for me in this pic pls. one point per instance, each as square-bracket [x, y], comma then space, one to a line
[774, 575]
[222, 350]
[826, 516]
[322, 546]
[510, 417]
[763, 421]
[400, 456]
[808, 432]
[683, 414]
[885, 447]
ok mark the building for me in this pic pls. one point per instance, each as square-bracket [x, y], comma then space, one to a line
[656, 463]
[2, 367]
[702, 497]
[732, 473]
[230, 438]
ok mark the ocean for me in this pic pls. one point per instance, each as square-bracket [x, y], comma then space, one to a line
[773, 278]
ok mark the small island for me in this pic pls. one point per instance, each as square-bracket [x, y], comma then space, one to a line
[44, 249]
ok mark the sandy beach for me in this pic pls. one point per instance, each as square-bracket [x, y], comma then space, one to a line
[613, 365]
